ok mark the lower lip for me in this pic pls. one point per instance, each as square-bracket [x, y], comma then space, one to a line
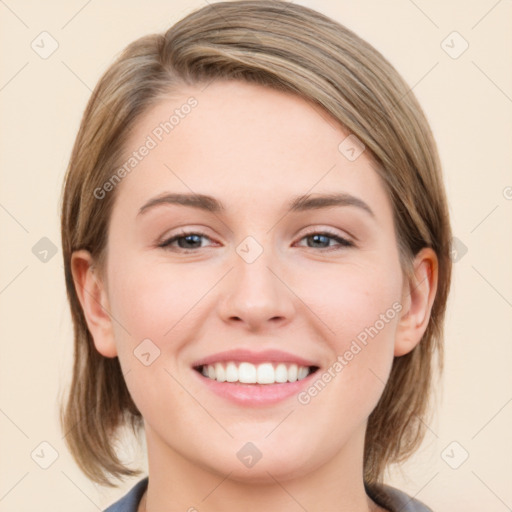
[255, 394]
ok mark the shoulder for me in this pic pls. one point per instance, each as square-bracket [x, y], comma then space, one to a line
[130, 501]
[395, 500]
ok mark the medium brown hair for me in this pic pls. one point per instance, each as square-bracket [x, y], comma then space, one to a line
[293, 49]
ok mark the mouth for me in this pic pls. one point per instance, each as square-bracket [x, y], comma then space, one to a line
[266, 373]
[247, 378]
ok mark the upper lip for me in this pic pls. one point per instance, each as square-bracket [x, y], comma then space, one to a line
[249, 356]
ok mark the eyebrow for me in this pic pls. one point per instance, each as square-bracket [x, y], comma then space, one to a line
[297, 204]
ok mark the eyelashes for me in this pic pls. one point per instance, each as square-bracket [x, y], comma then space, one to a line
[342, 242]
[191, 237]
[166, 244]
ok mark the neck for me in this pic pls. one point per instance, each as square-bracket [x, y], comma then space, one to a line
[177, 484]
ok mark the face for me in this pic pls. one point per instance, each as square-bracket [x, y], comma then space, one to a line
[253, 290]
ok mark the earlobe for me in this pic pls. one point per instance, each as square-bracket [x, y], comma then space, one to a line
[93, 298]
[418, 297]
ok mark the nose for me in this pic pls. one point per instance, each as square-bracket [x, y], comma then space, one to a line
[255, 294]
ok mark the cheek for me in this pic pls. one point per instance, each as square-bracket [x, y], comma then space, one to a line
[367, 317]
[352, 298]
[360, 310]
[152, 300]
[155, 302]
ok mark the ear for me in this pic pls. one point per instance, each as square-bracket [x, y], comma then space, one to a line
[417, 299]
[92, 293]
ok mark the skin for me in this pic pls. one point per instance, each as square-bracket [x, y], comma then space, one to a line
[253, 149]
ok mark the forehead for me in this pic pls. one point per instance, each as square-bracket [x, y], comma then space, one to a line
[242, 140]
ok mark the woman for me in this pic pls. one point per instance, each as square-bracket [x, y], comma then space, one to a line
[257, 257]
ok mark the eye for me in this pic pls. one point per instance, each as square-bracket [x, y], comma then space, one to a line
[187, 240]
[322, 237]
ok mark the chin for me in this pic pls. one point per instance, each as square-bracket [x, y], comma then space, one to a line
[262, 463]
[265, 472]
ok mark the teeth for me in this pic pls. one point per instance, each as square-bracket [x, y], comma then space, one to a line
[220, 373]
[264, 374]
[231, 372]
[292, 373]
[303, 373]
[281, 373]
[248, 373]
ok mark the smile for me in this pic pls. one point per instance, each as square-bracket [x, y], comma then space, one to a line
[255, 378]
[249, 373]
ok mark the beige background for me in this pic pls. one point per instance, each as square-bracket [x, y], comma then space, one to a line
[468, 101]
